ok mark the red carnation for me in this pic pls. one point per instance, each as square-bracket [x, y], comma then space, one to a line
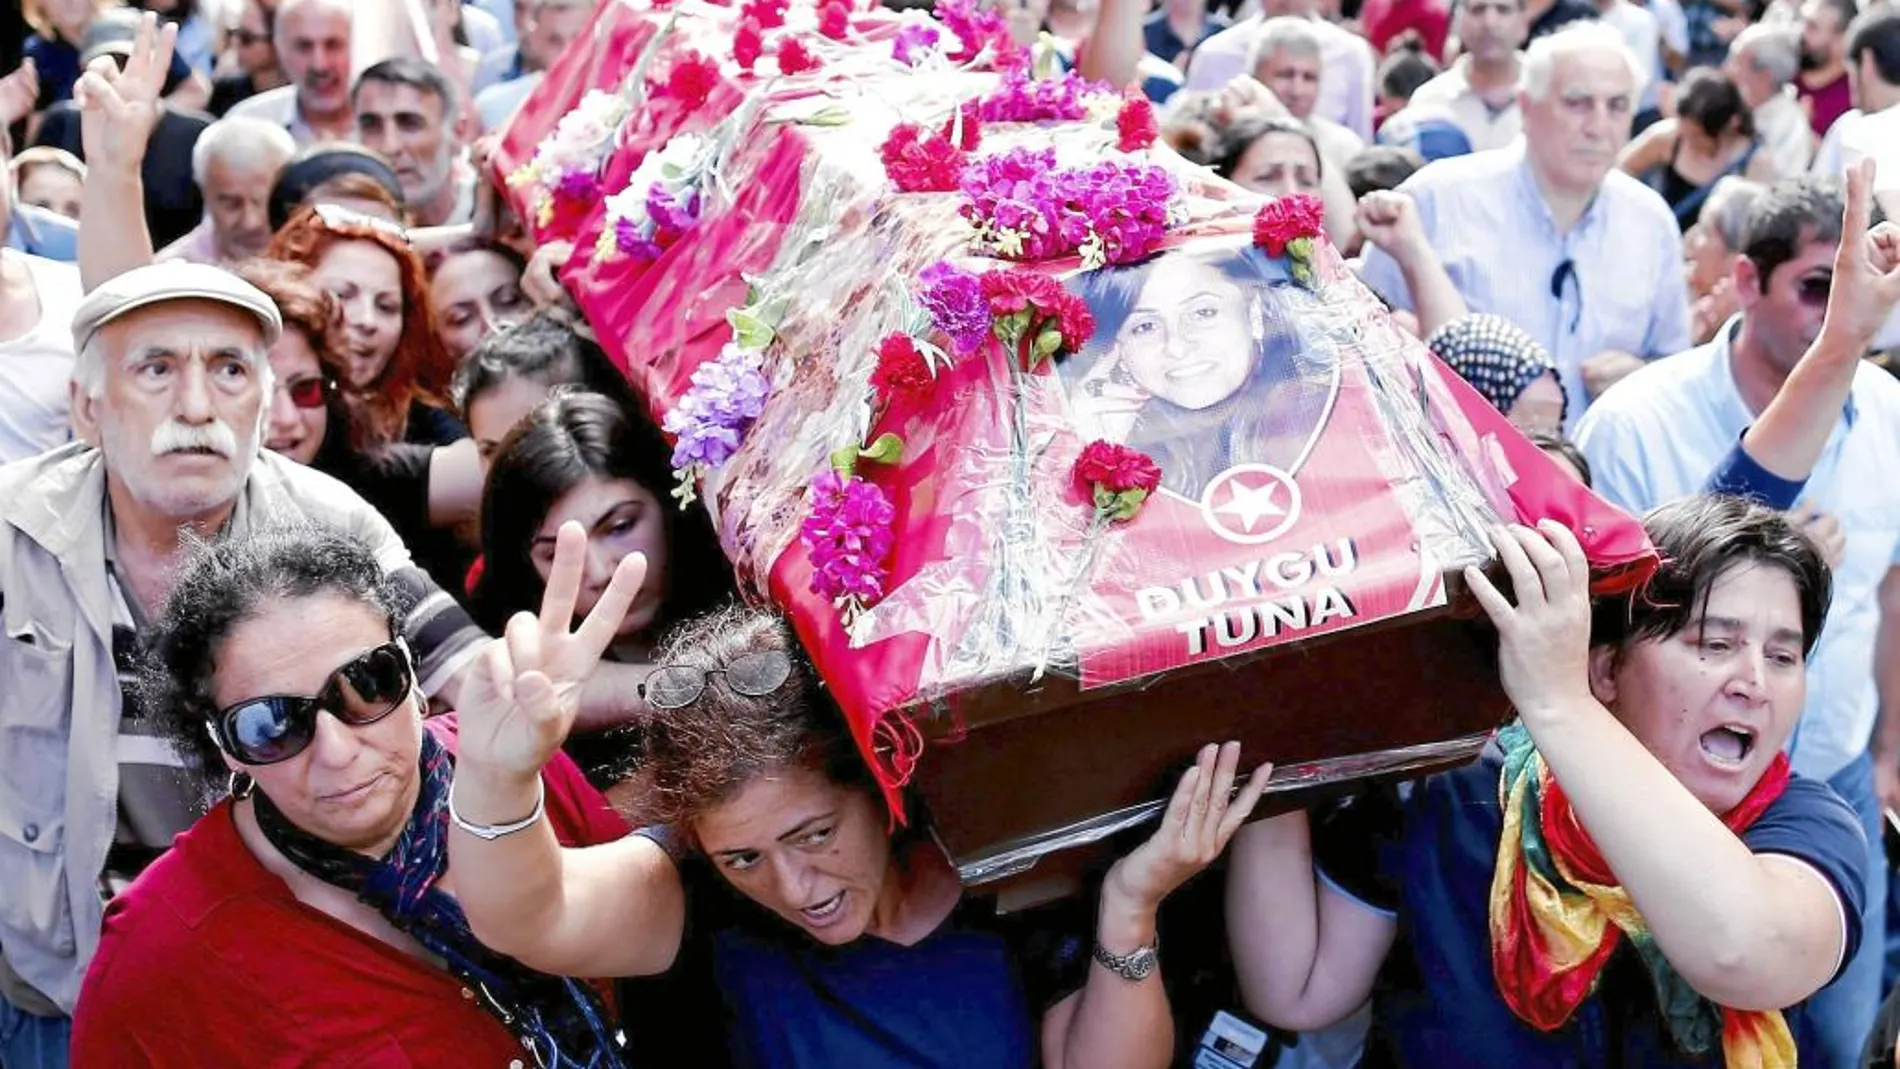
[769, 14]
[748, 42]
[1074, 321]
[1135, 127]
[1116, 468]
[970, 134]
[1285, 219]
[795, 58]
[1015, 289]
[920, 163]
[692, 78]
[834, 19]
[901, 368]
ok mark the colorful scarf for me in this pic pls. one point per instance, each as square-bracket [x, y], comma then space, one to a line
[563, 1022]
[1557, 915]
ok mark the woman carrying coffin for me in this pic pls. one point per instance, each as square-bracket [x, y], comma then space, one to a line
[832, 940]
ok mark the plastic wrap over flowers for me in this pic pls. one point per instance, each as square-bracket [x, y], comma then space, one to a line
[566, 165]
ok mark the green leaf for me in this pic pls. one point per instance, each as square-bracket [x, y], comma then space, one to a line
[886, 448]
[829, 115]
[845, 461]
[748, 330]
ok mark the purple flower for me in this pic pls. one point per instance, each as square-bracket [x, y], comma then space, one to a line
[726, 395]
[848, 534]
[1021, 98]
[1055, 212]
[670, 217]
[633, 242]
[954, 299]
[577, 185]
[913, 43]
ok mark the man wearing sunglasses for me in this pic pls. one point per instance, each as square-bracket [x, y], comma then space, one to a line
[1659, 435]
[170, 395]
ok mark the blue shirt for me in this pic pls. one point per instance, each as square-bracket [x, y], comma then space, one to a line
[38, 232]
[1661, 433]
[1432, 860]
[1624, 287]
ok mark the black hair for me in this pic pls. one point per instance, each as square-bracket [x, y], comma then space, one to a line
[547, 349]
[1877, 33]
[415, 73]
[1563, 447]
[567, 439]
[1700, 539]
[1402, 72]
[225, 583]
[703, 754]
[1790, 214]
[322, 163]
[1381, 167]
[1240, 136]
[1706, 97]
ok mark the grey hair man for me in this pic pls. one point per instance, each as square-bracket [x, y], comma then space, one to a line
[234, 163]
[169, 399]
[1288, 57]
[1762, 62]
[313, 48]
[1547, 233]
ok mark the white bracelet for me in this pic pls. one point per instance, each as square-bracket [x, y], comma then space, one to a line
[491, 832]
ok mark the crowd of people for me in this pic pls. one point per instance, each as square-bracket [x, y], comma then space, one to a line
[366, 700]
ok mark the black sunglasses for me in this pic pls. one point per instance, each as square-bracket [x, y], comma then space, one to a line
[676, 686]
[278, 727]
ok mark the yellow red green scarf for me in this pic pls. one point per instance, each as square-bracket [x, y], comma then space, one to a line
[1557, 915]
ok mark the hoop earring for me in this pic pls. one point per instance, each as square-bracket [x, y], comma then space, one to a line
[241, 785]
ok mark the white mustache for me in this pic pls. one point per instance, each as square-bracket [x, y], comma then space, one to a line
[174, 436]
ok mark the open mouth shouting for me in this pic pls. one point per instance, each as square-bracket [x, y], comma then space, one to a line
[1729, 745]
[824, 914]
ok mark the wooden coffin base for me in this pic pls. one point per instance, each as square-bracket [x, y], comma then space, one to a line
[1013, 774]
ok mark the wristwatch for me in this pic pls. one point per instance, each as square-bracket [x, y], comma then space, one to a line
[1135, 966]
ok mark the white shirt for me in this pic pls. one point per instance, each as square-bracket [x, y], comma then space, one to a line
[1785, 134]
[1644, 38]
[1486, 127]
[278, 106]
[1345, 90]
[1337, 145]
[1658, 435]
[36, 366]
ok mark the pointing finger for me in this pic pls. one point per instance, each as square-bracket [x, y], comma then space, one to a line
[1855, 213]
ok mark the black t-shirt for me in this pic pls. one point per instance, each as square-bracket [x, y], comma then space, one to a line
[1561, 14]
[173, 205]
[229, 90]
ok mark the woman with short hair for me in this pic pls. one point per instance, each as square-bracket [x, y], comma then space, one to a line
[311, 917]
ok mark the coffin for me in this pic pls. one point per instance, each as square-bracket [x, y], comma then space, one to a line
[1033, 671]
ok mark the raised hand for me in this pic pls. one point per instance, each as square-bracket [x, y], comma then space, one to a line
[1866, 266]
[1199, 823]
[119, 108]
[523, 693]
[1544, 639]
[19, 91]
[1389, 219]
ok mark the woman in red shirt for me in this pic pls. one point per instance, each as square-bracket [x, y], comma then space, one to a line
[310, 918]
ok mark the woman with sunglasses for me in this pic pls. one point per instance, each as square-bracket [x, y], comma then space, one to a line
[830, 939]
[311, 917]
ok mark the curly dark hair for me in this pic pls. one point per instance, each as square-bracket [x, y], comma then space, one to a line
[228, 582]
[543, 348]
[702, 755]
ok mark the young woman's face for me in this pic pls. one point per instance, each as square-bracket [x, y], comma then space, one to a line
[353, 786]
[1188, 340]
[293, 430]
[1279, 164]
[367, 283]
[811, 851]
[621, 518]
[1715, 702]
[475, 294]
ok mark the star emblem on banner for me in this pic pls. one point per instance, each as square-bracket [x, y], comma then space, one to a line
[1251, 504]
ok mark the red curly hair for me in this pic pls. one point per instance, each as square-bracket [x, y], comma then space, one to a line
[421, 368]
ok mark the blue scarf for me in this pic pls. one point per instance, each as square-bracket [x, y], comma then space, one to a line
[562, 1021]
